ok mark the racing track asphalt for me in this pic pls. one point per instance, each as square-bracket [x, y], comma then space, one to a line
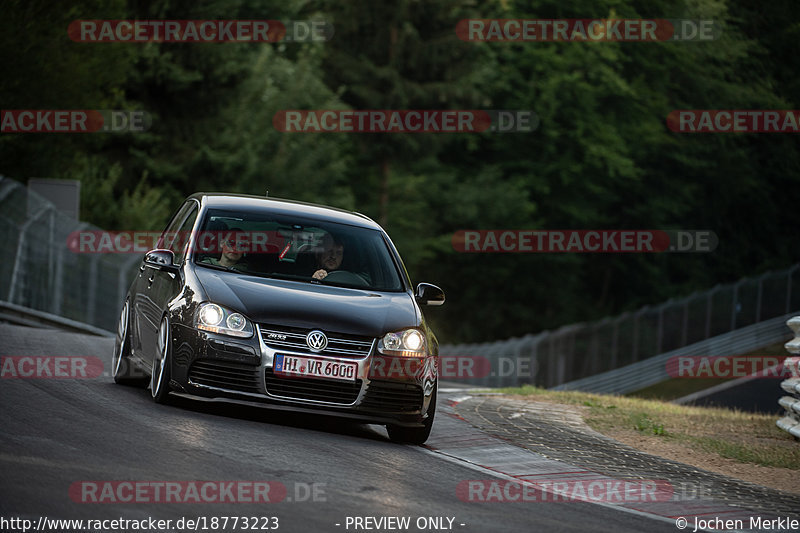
[56, 432]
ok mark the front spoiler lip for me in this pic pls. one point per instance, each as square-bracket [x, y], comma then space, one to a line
[367, 418]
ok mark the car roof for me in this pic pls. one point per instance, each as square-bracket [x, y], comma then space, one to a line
[284, 207]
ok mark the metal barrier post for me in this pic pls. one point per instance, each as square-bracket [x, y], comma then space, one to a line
[791, 419]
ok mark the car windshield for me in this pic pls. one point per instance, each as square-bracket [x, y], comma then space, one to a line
[294, 248]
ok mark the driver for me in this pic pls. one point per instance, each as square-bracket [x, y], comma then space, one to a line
[232, 252]
[330, 258]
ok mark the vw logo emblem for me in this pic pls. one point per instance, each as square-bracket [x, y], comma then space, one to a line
[317, 341]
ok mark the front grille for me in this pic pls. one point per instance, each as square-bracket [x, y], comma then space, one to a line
[341, 392]
[294, 339]
[225, 375]
[392, 397]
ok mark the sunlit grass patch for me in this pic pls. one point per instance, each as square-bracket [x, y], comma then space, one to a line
[738, 435]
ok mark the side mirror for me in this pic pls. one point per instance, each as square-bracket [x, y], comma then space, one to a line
[428, 294]
[163, 260]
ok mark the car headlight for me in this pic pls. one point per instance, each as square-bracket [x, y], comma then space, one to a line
[406, 343]
[216, 319]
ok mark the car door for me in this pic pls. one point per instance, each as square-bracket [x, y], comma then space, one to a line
[155, 288]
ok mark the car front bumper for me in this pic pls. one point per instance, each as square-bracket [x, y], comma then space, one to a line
[387, 390]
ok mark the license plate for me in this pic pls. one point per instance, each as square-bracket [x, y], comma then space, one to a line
[311, 367]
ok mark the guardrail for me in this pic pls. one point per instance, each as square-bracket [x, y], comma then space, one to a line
[748, 314]
[654, 370]
[790, 422]
[18, 314]
[40, 272]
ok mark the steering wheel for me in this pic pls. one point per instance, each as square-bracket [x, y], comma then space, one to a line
[344, 276]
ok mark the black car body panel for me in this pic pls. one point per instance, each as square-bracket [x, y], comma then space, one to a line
[284, 313]
[359, 312]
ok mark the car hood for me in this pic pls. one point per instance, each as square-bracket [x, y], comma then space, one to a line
[308, 305]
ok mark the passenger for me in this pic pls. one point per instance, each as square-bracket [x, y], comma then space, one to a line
[232, 253]
[330, 258]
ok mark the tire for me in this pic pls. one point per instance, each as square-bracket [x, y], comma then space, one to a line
[160, 375]
[123, 369]
[406, 435]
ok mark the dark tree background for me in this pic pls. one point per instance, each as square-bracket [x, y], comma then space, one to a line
[602, 156]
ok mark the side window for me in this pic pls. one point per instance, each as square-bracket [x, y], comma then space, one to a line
[170, 234]
[180, 244]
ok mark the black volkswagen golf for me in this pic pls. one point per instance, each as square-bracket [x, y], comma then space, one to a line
[279, 303]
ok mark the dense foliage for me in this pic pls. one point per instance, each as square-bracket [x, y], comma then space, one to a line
[602, 156]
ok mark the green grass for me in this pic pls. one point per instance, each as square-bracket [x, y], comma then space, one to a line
[783, 458]
[672, 389]
[744, 437]
[643, 424]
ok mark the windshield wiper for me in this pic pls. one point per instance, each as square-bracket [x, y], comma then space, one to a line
[286, 277]
[219, 267]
